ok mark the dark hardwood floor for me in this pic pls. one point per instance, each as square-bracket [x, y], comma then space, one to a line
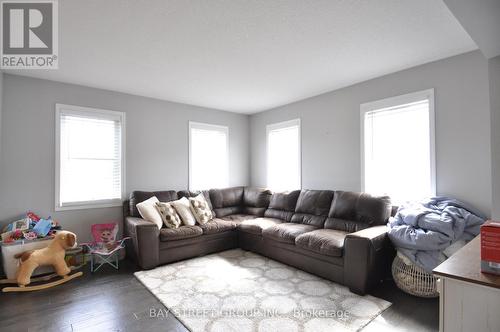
[111, 300]
[407, 312]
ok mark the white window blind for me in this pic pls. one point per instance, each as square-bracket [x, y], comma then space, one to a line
[90, 158]
[284, 156]
[399, 147]
[208, 156]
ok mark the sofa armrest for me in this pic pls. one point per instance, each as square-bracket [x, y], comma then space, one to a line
[375, 235]
[146, 241]
[367, 257]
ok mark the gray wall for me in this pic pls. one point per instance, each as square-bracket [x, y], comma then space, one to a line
[157, 137]
[331, 129]
[494, 75]
[156, 146]
[1, 101]
[480, 19]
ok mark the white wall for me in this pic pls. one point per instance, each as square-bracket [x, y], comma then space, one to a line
[494, 75]
[331, 129]
[156, 146]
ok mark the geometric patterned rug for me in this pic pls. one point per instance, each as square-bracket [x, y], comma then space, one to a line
[241, 291]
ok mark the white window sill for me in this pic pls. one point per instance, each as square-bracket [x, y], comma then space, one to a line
[86, 206]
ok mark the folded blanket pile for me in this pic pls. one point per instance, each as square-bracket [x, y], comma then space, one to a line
[430, 231]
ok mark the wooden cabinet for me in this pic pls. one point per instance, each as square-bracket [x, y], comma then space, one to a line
[469, 300]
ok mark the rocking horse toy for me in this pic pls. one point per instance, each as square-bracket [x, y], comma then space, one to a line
[53, 255]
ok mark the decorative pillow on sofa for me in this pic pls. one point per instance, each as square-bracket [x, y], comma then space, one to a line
[168, 214]
[200, 209]
[183, 208]
[147, 210]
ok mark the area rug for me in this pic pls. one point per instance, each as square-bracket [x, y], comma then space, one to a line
[241, 291]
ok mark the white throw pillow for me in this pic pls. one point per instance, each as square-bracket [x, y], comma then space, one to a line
[147, 210]
[183, 208]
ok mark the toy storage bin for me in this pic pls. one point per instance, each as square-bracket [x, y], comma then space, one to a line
[9, 250]
[413, 279]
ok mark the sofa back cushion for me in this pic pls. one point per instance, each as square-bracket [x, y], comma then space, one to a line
[140, 196]
[282, 205]
[255, 201]
[353, 211]
[312, 207]
[227, 201]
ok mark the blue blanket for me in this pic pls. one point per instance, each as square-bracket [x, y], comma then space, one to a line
[422, 231]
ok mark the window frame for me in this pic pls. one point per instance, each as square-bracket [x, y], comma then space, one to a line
[282, 125]
[206, 126]
[395, 102]
[93, 113]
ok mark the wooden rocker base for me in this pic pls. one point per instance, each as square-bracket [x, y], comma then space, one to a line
[39, 287]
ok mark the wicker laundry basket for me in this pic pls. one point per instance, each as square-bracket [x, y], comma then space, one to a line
[413, 279]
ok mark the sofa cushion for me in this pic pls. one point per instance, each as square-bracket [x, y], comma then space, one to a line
[238, 218]
[282, 205]
[217, 225]
[312, 207]
[255, 200]
[140, 196]
[227, 201]
[328, 242]
[315, 202]
[286, 232]
[183, 232]
[222, 212]
[353, 211]
[257, 225]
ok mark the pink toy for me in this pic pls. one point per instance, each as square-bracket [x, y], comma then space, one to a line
[105, 246]
[105, 234]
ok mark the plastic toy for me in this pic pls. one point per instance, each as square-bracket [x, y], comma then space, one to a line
[43, 227]
[30, 235]
[23, 228]
[32, 216]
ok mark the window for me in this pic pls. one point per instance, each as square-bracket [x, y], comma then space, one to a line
[283, 156]
[398, 147]
[208, 156]
[89, 157]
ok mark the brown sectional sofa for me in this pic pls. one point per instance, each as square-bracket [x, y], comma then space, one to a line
[338, 235]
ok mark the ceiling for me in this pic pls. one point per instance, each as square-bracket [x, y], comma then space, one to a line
[481, 19]
[246, 56]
